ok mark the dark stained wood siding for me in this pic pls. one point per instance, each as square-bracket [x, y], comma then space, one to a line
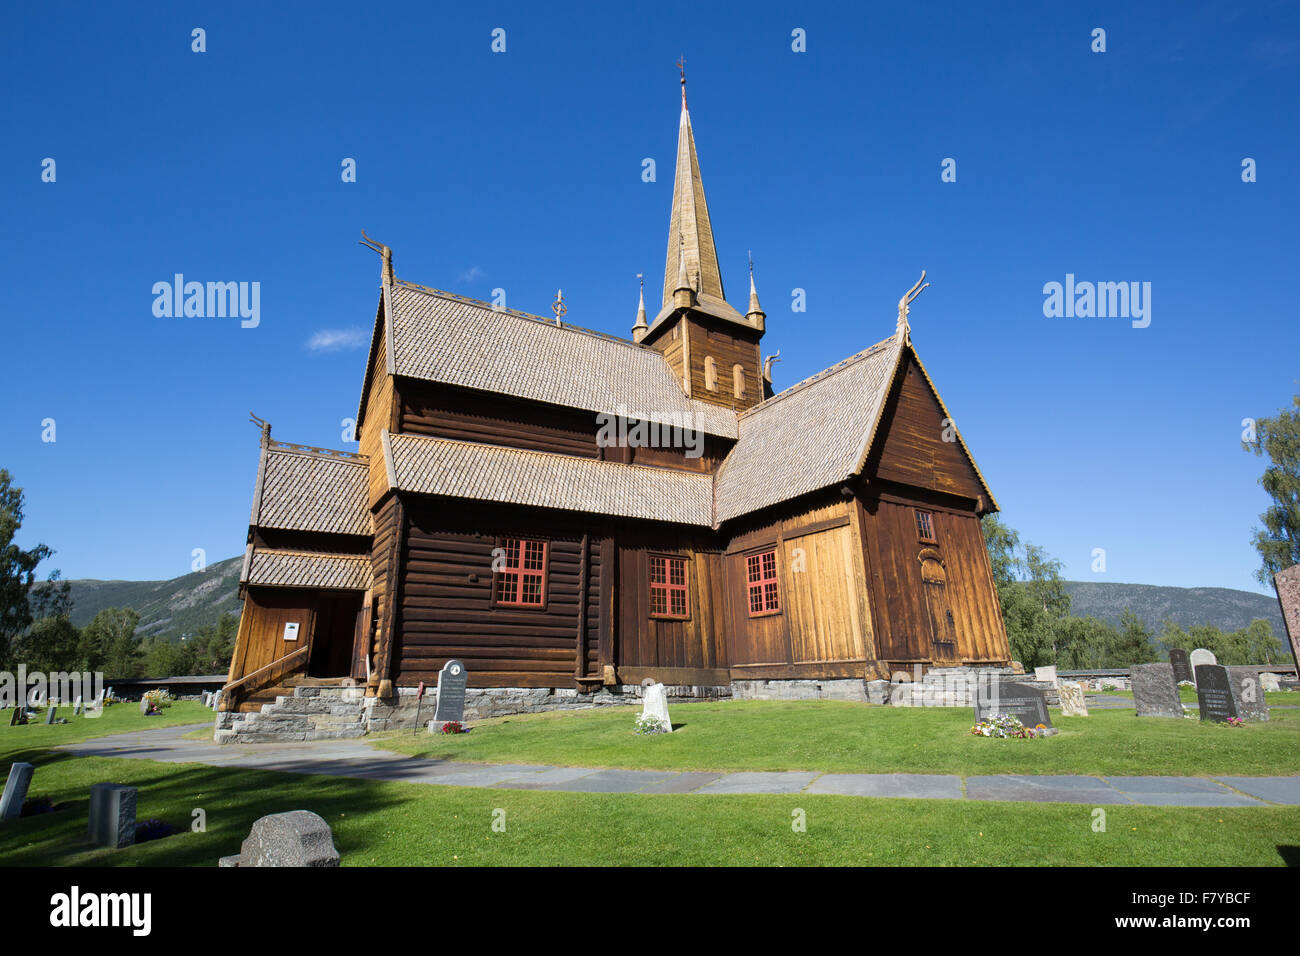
[465, 415]
[909, 447]
[904, 632]
[447, 609]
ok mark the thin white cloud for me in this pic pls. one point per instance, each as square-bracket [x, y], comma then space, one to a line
[336, 340]
[472, 273]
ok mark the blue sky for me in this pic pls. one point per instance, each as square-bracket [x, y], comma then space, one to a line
[522, 170]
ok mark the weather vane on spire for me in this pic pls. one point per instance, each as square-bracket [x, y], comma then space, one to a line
[681, 65]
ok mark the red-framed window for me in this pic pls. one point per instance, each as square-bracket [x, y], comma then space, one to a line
[521, 579]
[925, 526]
[668, 592]
[760, 575]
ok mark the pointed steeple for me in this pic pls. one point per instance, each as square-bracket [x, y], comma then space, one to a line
[639, 329]
[756, 316]
[690, 219]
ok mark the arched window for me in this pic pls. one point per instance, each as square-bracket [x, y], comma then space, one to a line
[710, 373]
[738, 379]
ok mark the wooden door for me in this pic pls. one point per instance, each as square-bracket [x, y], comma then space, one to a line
[934, 585]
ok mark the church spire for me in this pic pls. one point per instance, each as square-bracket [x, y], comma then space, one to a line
[755, 315]
[640, 328]
[689, 231]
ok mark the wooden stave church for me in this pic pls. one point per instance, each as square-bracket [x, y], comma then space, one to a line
[785, 550]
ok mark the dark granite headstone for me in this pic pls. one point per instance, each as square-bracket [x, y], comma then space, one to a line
[19, 717]
[1155, 694]
[20, 778]
[1014, 699]
[1214, 692]
[451, 692]
[112, 814]
[1181, 664]
[1247, 693]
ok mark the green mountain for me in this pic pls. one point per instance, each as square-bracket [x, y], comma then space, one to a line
[1225, 608]
[168, 609]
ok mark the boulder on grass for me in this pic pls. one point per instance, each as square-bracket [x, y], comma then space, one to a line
[296, 838]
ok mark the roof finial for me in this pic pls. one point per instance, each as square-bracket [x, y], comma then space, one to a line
[681, 65]
[385, 253]
[904, 330]
[755, 315]
[641, 327]
[558, 306]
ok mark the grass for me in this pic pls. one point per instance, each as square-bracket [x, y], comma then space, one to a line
[857, 738]
[1274, 698]
[399, 824]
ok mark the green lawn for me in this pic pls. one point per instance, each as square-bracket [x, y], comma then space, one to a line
[858, 738]
[411, 824]
[378, 823]
[1274, 698]
[116, 719]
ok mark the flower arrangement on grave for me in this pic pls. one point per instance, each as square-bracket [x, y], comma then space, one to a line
[158, 699]
[649, 724]
[453, 727]
[1005, 725]
[1236, 722]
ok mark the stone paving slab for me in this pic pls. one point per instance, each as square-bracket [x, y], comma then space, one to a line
[602, 781]
[687, 782]
[915, 785]
[354, 758]
[1054, 789]
[780, 781]
[1274, 789]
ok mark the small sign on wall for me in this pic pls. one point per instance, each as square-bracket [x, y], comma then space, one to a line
[291, 631]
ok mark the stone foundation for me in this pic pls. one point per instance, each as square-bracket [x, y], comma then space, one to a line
[853, 689]
[398, 712]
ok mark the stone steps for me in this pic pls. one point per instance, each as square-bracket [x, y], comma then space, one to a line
[313, 712]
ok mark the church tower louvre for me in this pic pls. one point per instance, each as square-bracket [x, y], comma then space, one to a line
[711, 347]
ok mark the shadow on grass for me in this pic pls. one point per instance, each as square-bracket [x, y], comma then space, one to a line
[1290, 855]
[231, 799]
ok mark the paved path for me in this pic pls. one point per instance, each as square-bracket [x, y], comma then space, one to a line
[356, 758]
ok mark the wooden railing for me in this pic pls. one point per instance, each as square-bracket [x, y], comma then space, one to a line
[228, 696]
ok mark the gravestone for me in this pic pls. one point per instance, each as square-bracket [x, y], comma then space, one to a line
[451, 693]
[654, 703]
[1214, 693]
[1155, 694]
[1247, 693]
[1182, 665]
[296, 838]
[1268, 682]
[1072, 700]
[112, 814]
[50, 713]
[1201, 656]
[20, 716]
[78, 708]
[144, 705]
[1047, 674]
[1287, 585]
[20, 778]
[1014, 699]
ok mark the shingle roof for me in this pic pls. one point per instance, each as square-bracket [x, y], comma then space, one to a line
[312, 490]
[809, 436]
[442, 337]
[437, 466]
[308, 570]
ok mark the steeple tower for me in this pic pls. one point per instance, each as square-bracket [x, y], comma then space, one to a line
[756, 316]
[690, 217]
[639, 329]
